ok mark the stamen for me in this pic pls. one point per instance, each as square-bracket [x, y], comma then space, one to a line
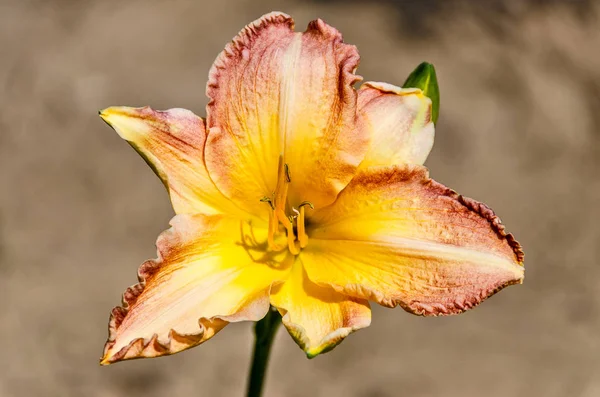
[302, 236]
[292, 243]
[272, 230]
[278, 215]
[272, 224]
[290, 231]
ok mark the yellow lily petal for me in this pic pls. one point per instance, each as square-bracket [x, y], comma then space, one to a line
[277, 92]
[172, 143]
[399, 238]
[318, 318]
[399, 122]
[210, 270]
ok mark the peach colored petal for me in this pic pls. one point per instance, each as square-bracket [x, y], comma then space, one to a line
[317, 318]
[399, 238]
[277, 92]
[399, 123]
[172, 143]
[210, 270]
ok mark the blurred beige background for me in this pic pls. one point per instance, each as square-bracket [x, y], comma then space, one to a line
[79, 210]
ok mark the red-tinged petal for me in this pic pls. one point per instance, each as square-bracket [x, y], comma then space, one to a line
[210, 270]
[399, 122]
[172, 143]
[318, 318]
[399, 238]
[277, 92]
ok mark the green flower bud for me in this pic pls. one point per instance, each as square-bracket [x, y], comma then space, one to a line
[424, 77]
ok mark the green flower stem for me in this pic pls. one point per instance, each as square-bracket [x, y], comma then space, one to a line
[264, 331]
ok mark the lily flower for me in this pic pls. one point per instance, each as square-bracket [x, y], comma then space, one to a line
[300, 192]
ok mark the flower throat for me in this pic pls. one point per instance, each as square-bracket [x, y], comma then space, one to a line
[294, 224]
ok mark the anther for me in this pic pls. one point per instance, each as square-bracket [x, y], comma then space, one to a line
[291, 238]
[288, 175]
[302, 204]
[266, 199]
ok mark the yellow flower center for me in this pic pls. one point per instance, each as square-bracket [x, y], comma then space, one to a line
[294, 222]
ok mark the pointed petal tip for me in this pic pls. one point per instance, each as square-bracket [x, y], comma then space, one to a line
[330, 341]
[111, 110]
[110, 114]
[326, 344]
[104, 361]
[132, 122]
[103, 113]
[317, 351]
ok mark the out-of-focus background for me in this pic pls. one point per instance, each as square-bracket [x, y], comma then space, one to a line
[79, 210]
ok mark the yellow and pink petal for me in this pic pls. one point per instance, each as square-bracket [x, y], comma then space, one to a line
[277, 92]
[399, 238]
[172, 143]
[210, 270]
[399, 123]
[318, 318]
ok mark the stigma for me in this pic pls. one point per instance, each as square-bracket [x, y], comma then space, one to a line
[282, 214]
